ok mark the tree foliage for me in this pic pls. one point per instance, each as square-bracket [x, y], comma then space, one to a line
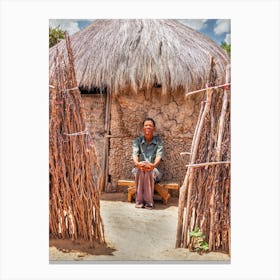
[56, 34]
[226, 47]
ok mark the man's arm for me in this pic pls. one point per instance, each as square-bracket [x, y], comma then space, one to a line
[150, 166]
[135, 151]
[157, 161]
[159, 154]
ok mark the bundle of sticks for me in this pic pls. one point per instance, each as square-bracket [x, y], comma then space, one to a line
[74, 173]
[204, 201]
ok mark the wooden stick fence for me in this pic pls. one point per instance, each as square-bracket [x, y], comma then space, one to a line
[74, 187]
[204, 200]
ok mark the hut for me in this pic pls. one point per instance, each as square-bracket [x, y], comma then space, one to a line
[128, 69]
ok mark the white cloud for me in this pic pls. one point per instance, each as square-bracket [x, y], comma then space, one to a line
[69, 25]
[227, 39]
[196, 24]
[222, 26]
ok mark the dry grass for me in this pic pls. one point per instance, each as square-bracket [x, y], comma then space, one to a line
[138, 53]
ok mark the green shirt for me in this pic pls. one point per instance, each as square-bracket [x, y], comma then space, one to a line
[147, 151]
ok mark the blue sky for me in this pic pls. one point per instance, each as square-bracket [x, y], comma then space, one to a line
[217, 29]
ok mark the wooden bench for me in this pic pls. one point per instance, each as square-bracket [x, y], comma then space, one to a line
[161, 189]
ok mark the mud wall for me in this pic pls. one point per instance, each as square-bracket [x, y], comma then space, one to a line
[95, 105]
[175, 118]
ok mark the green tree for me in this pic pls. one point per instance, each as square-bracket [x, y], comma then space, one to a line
[226, 47]
[56, 34]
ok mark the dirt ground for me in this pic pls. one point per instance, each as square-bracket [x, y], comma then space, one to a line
[136, 235]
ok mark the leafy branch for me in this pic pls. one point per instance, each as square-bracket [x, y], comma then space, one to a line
[56, 34]
[199, 245]
[226, 47]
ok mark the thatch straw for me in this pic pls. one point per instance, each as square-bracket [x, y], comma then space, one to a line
[137, 54]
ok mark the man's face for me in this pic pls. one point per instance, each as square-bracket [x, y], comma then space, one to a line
[148, 128]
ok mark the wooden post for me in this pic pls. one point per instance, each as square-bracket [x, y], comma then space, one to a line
[187, 184]
[106, 140]
[74, 202]
[204, 164]
[221, 122]
[218, 159]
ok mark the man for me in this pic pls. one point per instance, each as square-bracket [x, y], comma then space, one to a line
[147, 152]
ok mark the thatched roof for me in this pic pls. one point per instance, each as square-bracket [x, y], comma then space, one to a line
[139, 53]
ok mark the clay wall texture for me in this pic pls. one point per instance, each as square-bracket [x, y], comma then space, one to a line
[175, 118]
[95, 105]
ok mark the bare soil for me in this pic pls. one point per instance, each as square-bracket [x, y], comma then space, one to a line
[132, 234]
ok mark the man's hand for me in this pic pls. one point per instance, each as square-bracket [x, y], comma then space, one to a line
[145, 166]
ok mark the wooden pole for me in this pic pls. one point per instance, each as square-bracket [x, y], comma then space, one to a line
[207, 189]
[207, 164]
[187, 184]
[183, 189]
[201, 123]
[221, 127]
[185, 153]
[74, 203]
[221, 124]
[204, 89]
[214, 232]
[106, 141]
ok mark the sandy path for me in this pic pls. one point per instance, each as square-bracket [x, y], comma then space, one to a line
[139, 235]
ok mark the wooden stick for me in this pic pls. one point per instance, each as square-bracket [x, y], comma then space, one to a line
[197, 126]
[222, 120]
[74, 206]
[183, 189]
[218, 158]
[204, 89]
[106, 142]
[207, 163]
[188, 216]
[185, 153]
[202, 188]
[221, 124]
[212, 212]
[195, 151]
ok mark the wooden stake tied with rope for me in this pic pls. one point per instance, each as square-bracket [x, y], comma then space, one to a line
[74, 194]
[204, 200]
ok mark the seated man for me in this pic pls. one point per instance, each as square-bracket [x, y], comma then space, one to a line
[147, 152]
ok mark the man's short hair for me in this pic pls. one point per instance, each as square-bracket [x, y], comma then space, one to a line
[149, 119]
